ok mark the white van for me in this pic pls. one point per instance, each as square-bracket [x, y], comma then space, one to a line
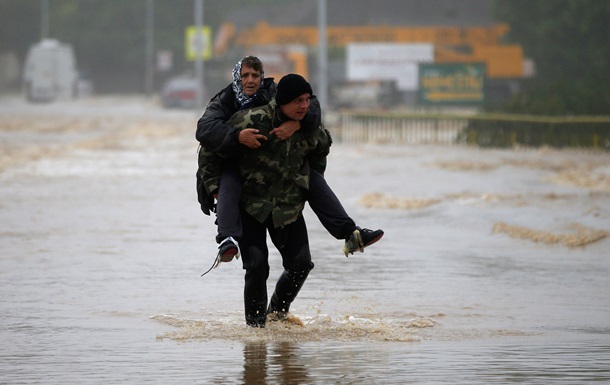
[50, 72]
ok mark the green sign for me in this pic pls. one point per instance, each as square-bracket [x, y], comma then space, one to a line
[442, 84]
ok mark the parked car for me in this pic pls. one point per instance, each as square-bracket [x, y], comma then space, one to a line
[179, 92]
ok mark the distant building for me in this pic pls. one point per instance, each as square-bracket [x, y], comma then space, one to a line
[460, 13]
[460, 32]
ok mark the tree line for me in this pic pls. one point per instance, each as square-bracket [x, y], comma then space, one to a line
[568, 40]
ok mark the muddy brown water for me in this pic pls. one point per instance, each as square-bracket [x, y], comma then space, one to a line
[102, 245]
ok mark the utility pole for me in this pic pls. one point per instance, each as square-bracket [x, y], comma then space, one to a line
[199, 52]
[150, 47]
[322, 91]
[44, 20]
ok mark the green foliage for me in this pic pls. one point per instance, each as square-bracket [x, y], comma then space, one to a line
[568, 41]
[524, 131]
[588, 96]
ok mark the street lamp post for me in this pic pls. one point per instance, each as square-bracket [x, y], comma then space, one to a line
[44, 20]
[199, 53]
[322, 56]
[150, 47]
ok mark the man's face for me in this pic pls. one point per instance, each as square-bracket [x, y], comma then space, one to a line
[297, 108]
[250, 80]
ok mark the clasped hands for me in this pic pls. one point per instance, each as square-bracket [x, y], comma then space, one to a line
[250, 137]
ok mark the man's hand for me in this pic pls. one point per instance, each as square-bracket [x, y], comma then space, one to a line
[250, 138]
[286, 130]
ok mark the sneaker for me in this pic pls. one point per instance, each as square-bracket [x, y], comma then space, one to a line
[360, 239]
[227, 250]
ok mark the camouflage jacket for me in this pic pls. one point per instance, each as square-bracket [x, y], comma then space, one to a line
[275, 177]
[216, 136]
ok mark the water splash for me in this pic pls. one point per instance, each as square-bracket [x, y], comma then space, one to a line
[321, 327]
[582, 236]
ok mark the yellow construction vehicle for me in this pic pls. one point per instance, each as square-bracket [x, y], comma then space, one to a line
[475, 44]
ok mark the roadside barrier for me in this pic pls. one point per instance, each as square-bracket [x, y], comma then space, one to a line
[485, 130]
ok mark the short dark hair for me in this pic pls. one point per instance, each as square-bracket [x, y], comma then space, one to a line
[252, 62]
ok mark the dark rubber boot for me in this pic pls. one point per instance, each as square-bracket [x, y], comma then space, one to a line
[255, 299]
[286, 290]
[256, 315]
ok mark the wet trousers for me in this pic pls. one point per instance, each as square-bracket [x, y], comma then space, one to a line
[321, 197]
[293, 245]
[228, 218]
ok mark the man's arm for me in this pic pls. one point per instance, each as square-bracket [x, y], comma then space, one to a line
[286, 129]
[244, 122]
[212, 131]
[317, 158]
[217, 135]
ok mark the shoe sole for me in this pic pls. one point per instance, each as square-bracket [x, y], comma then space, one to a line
[374, 240]
[228, 254]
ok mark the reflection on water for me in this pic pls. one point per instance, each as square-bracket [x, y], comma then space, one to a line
[499, 362]
[102, 245]
[277, 363]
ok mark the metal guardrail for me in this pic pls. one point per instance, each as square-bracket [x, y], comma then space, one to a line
[395, 128]
[486, 130]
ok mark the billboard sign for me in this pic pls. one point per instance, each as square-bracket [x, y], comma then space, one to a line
[388, 61]
[458, 83]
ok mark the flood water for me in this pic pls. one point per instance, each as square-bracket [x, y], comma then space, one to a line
[493, 269]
